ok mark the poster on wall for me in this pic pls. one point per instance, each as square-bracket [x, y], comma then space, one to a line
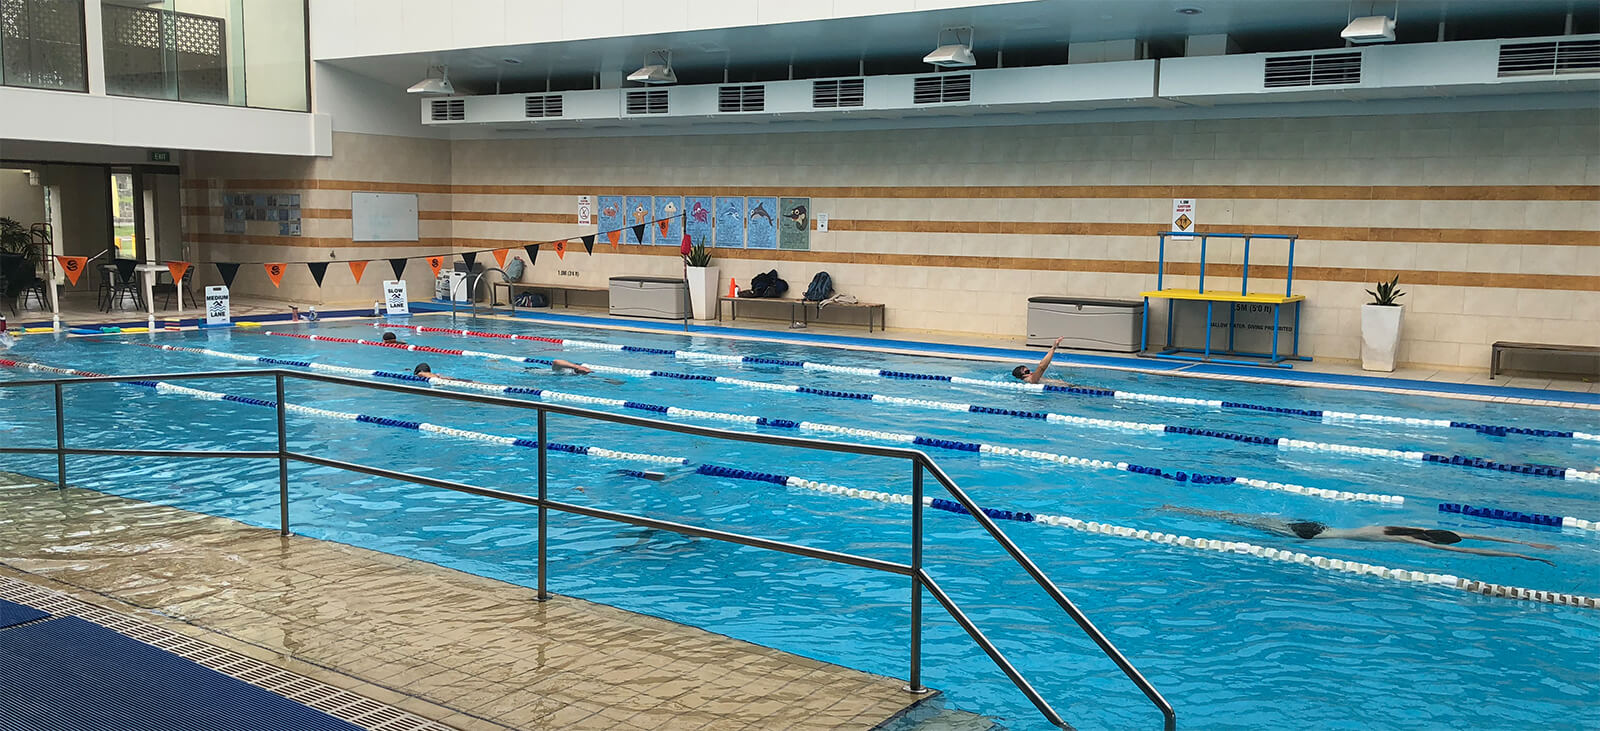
[729, 226]
[669, 229]
[395, 301]
[637, 209]
[698, 219]
[585, 210]
[794, 224]
[611, 213]
[761, 223]
[1183, 218]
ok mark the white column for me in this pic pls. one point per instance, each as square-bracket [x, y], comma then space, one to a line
[53, 192]
[94, 49]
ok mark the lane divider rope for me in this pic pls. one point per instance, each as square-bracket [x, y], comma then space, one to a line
[1181, 476]
[1171, 539]
[1514, 516]
[164, 387]
[1281, 443]
[1326, 416]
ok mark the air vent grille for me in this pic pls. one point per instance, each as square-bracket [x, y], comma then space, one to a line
[837, 93]
[548, 105]
[1317, 69]
[1549, 57]
[942, 89]
[751, 98]
[448, 110]
[653, 101]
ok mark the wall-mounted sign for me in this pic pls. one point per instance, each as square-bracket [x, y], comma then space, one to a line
[160, 155]
[1183, 218]
[585, 210]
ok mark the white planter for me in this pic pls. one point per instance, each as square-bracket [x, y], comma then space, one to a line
[703, 292]
[1380, 336]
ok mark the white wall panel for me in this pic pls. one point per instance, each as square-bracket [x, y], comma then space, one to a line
[535, 20]
[722, 13]
[124, 122]
[640, 17]
[476, 23]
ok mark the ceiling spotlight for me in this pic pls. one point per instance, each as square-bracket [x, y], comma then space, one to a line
[955, 54]
[510, 60]
[1189, 11]
[434, 85]
[656, 73]
[1370, 29]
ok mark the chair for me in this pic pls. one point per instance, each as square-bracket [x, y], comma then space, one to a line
[124, 285]
[170, 289]
[36, 290]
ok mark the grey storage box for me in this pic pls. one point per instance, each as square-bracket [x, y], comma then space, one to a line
[660, 297]
[1086, 323]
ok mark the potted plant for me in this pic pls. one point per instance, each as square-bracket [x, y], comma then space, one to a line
[702, 281]
[1380, 326]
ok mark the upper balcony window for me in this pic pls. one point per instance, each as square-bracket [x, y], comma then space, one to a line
[41, 44]
[237, 52]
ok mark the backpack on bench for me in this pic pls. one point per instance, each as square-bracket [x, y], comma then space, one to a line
[821, 288]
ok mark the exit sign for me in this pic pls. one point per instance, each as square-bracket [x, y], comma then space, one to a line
[160, 156]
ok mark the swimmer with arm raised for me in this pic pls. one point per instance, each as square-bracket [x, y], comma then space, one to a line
[1443, 540]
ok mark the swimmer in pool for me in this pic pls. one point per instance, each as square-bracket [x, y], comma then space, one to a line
[1036, 373]
[567, 366]
[390, 339]
[1443, 540]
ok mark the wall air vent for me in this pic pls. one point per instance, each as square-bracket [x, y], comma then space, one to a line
[546, 105]
[651, 101]
[751, 98]
[1316, 69]
[1549, 57]
[838, 93]
[448, 110]
[942, 89]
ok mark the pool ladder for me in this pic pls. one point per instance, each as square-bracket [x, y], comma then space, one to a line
[472, 288]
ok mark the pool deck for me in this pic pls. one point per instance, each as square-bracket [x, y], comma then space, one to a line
[464, 651]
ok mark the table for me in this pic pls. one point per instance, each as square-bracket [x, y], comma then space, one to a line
[564, 289]
[804, 319]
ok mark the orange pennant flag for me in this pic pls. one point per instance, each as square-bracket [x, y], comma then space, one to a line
[614, 236]
[500, 257]
[275, 273]
[73, 267]
[177, 270]
[561, 249]
[435, 263]
[357, 268]
[665, 224]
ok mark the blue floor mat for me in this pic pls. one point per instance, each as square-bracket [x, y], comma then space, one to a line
[13, 614]
[69, 674]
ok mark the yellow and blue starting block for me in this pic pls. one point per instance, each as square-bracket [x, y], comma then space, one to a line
[1208, 354]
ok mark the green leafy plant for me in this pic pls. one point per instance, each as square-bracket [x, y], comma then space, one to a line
[1387, 293]
[699, 255]
[14, 239]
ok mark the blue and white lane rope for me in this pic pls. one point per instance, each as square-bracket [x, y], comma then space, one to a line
[1326, 416]
[1281, 443]
[1515, 516]
[165, 388]
[1181, 476]
[1172, 539]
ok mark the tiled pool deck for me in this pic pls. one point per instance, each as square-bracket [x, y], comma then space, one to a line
[466, 651]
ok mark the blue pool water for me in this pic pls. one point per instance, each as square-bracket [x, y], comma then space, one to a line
[1233, 641]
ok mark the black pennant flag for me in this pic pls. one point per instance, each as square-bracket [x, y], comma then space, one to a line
[399, 267]
[469, 257]
[318, 269]
[638, 232]
[588, 244]
[228, 272]
[533, 253]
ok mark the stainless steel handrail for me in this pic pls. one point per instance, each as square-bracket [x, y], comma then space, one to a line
[472, 290]
[920, 578]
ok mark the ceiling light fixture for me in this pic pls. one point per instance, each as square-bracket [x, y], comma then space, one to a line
[952, 55]
[510, 60]
[656, 73]
[1370, 29]
[434, 85]
[1189, 11]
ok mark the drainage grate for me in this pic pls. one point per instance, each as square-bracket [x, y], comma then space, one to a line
[340, 704]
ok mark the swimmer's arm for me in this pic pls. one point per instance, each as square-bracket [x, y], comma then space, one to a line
[1479, 551]
[1038, 372]
[1476, 537]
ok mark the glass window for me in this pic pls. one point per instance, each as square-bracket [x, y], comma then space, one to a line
[123, 234]
[41, 44]
[237, 52]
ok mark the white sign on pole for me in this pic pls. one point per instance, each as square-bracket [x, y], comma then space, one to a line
[585, 207]
[822, 223]
[1183, 218]
[218, 311]
[394, 297]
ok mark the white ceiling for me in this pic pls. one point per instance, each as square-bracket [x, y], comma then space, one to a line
[1027, 33]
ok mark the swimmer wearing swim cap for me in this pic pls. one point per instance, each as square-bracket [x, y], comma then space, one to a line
[1443, 540]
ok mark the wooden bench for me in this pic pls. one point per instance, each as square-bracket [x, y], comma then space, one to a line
[1502, 346]
[804, 309]
[564, 289]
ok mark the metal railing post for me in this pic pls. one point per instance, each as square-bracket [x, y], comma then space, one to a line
[61, 442]
[283, 461]
[544, 533]
[914, 684]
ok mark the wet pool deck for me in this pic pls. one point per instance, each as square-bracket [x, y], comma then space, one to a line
[466, 651]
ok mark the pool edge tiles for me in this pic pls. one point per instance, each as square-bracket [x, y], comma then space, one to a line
[1130, 363]
[483, 649]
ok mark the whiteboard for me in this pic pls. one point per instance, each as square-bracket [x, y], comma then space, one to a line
[383, 216]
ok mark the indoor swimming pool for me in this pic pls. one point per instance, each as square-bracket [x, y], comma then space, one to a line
[1099, 482]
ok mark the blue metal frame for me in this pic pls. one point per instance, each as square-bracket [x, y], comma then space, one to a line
[1172, 352]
